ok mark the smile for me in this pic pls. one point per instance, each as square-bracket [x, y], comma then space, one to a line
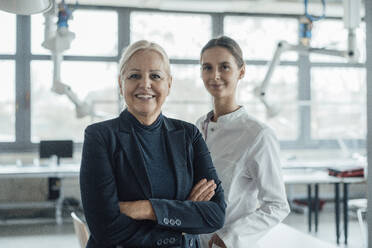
[144, 96]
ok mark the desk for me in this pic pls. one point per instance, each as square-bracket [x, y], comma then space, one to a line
[316, 177]
[284, 236]
[32, 171]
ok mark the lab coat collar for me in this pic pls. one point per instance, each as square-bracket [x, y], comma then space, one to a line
[227, 117]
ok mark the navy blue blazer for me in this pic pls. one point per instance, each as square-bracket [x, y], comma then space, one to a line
[113, 170]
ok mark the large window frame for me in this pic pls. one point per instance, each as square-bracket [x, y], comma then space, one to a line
[23, 58]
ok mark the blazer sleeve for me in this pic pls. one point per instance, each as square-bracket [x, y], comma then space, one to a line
[194, 217]
[107, 225]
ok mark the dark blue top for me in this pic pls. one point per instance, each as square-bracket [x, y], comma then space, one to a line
[152, 144]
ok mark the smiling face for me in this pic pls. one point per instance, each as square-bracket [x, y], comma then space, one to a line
[145, 84]
[220, 72]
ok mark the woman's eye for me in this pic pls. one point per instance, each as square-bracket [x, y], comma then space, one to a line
[226, 67]
[134, 76]
[206, 68]
[155, 76]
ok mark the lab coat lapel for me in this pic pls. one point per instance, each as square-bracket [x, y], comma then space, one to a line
[176, 145]
[136, 161]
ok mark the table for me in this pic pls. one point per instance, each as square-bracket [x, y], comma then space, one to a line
[33, 171]
[316, 177]
[284, 236]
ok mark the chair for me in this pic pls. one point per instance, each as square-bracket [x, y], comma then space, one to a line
[360, 206]
[81, 230]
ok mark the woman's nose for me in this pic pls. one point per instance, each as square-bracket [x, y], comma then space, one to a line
[217, 75]
[146, 83]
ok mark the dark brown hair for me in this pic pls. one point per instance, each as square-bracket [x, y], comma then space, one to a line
[229, 44]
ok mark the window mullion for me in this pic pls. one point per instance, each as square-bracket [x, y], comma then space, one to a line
[22, 80]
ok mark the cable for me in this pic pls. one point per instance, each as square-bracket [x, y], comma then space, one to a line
[311, 17]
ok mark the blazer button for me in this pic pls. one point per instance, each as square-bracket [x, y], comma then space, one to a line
[172, 240]
[172, 222]
[159, 242]
[191, 242]
[178, 222]
[166, 221]
[165, 241]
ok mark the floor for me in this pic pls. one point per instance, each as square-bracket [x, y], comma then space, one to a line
[43, 235]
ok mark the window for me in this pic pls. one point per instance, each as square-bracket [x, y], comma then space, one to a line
[339, 100]
[282, 93]
[326, 104]
[96, 33]
[181, 35]
[332, 34]
[7, 101]
[94, 82]
[8, 31]
[188, 99]
[178, 35]
[258, 36]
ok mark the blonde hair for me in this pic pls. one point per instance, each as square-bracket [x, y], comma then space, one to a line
[142, 45]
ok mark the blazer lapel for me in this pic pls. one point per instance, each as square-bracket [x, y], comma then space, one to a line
[136, 161]
[177, 148]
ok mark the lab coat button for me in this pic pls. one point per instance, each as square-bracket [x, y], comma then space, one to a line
[172, 222]
[212, 129]
[178, 222]
[166, 221]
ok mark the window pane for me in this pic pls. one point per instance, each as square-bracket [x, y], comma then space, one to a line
[187, 85]
[94, 82]
[259, 36]
[339, 100]
[96, 33]
[189, 112]
[332, 34]
[7, 101]
[181, 35]
[8, 31]
[282, 92]
[188, 99]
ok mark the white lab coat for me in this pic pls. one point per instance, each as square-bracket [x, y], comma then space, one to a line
[245, 153]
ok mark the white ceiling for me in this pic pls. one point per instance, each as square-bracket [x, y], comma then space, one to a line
[334, 7]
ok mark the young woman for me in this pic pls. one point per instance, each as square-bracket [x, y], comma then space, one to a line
[244, 151]
[138, 170]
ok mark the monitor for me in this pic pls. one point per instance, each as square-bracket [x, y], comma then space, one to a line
[60, 148]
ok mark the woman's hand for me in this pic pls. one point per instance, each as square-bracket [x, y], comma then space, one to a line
[217, 241]
[138, 210]
[202, 191]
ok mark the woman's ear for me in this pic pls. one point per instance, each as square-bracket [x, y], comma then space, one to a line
[120, 86]
[242, 72]
[170, 84]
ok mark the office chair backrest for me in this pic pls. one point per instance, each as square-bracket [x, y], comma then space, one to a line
[81, 230]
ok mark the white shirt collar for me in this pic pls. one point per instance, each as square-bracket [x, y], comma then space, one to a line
[227, 117]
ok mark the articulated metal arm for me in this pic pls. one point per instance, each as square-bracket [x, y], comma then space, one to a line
[351, 54]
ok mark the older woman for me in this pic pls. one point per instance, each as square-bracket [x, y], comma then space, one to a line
[147, 180]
